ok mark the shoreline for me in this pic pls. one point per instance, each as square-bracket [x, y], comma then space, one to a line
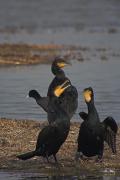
[19, 136]
[26, 54]
[32, 54]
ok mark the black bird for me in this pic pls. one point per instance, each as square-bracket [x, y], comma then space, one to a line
[52, 136]
[92, 132]
[60, 78]
[51, 116]
[57, 69]
[68, 99]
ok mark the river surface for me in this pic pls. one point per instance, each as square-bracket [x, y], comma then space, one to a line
[36, 176]
[102, 76]
[64, 22]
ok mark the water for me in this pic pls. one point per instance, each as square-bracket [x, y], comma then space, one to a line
[36, 176]
[32, 16]
[65, 22]
[103, 76]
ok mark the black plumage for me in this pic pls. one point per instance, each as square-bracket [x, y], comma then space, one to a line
[57, 69]
[54, 135]
[111, 129]
[68, 99]
[41, 101]
[92, 132]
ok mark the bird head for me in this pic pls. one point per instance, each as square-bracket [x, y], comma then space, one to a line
[61, 88]
[60, 62]
[88, 94]
[33, 93]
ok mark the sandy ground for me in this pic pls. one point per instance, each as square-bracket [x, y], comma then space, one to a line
[19, 136]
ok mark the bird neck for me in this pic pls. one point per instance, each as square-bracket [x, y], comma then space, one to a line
[57, 71]
[92, 112]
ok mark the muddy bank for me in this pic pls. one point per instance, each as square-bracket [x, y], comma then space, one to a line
[18, 136]
[26, 54]
[23, 54]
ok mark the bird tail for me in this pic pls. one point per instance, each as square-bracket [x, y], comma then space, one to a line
[26, 155]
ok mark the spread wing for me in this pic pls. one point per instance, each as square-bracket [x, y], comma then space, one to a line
[110, 132]
[43, 102]
[83, 115]
[46, 136]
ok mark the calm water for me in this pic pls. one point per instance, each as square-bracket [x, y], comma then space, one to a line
[103, 76]
[36, 176]
[65, 22]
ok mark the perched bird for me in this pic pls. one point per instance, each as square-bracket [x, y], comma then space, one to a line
[54, 135]
[92, 132]
[68, 99]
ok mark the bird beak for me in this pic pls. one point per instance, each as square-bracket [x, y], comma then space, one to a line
[63, 64]
[60, 89]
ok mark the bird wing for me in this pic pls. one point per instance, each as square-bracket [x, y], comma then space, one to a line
[110, 132]
[52, 86]
[83, 115]
[46, 135]
[72, 91]
[69, 100]
[43, 102]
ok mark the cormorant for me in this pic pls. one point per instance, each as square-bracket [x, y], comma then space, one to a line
[54, 135]
[68, 99]
[93, 133]
[58, 64]
[56, 69]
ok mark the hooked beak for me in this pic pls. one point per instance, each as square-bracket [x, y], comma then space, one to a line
[63, 64]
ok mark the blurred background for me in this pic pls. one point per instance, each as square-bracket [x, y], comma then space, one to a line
[46, 21]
